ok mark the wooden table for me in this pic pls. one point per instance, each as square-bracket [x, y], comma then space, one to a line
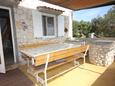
[51, 53]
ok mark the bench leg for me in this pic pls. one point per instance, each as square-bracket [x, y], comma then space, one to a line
[28, 63]
[76, 62]
[36, 75]
[84, 60]
[45, 70]
[45, 79]
[39, 79]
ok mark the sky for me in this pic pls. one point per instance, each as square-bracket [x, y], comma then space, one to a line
[89, 14]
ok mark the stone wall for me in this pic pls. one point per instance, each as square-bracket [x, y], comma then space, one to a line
[24, 27]
[102, 52]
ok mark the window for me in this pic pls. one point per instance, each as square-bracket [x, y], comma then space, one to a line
[48, 23]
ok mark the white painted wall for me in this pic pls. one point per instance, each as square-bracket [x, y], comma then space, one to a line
[70, 32]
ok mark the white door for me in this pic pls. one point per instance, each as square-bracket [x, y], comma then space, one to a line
[2, 62]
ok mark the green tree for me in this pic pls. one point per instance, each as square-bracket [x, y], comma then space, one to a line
[101, 26]
[81, 29]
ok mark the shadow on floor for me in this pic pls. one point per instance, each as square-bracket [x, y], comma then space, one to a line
[94, 75]
[107, 78]
[15, 78]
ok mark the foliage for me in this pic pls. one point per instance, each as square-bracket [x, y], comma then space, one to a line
[81, 29]
[101, 26]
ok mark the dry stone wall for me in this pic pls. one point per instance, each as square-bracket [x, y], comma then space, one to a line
[102, 53]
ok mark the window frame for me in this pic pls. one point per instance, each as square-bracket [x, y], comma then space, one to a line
[55, 31]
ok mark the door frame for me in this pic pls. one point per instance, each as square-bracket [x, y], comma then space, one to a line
[2, 62]
[12, 31]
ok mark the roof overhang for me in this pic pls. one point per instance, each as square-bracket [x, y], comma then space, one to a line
[49, 10]
[80, 4]
[71, 4]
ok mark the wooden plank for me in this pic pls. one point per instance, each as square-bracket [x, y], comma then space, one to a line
[53, 64]
[42, 59]
[59, 55]
[71, 58]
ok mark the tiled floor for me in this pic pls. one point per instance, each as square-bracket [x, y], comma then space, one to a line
[15, 78]
[87, 75]
[84, 75]
[107, 78]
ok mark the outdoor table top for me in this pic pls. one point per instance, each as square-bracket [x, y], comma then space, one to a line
[47, 49]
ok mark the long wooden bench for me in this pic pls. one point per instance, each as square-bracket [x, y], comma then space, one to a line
[59, 55]
[44, 62]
